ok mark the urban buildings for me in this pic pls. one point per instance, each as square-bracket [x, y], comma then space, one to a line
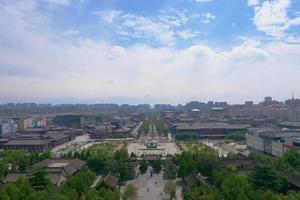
[8, 126]
[273, 141]
[215, 130]
[37, 140]
[58, 170]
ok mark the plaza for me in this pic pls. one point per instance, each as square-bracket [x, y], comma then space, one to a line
[161, 148]
[152, 188]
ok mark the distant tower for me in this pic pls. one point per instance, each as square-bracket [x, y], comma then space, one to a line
[294, 107]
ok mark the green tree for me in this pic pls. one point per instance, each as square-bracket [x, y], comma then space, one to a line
[93, 195]
[237, 135]
[109, 194]
[24, 185]
[206, 161]
[122, 156]
[170, 189]
[186, 164]
[143, 167]
[156, 165]
[86, 175]
[44, 195]
[265, 177]
[235, 187]
[13, 192]
[291, 159]
[97, 162]
[45, 155]
[111, 165]
[18, 190]
[78, 184]
[3, 168]
[130, 192]
[186, 136]
[4, 196]
[124, 174]
[34, 158]
[39, 179]
[69, 192]
[183, 170]
[17, 159]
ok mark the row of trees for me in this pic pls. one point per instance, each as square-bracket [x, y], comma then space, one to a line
[227, 184]
[186, 136]
[38, 187]
[156, 166]
[237, 135]
[19, 161]
[76, 187]
[264, 182]
[103, 162]
[161, 126]
[204, 160]
[145, 127]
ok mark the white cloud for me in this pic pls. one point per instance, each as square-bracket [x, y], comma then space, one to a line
[174, 17]
[90, 69]
[163, 29]
[293, 39]
[187, 34]
[62, 2]
[271, 17]
[108, 16]
[59, 2]
[148, 28]
[253, 2]
[71, 32]
[208, 17]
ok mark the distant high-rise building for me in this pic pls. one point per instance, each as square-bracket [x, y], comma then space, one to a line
[268, 99]
[249, 103]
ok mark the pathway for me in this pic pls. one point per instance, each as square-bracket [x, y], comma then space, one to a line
[151, 188]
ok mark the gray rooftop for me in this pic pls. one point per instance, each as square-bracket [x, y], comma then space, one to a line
[191, 126]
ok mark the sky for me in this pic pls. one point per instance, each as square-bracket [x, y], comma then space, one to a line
[148, 51]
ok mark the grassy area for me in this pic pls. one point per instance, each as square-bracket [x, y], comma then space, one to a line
[144, 129]
[191, 146]
[161, 126]
[109, 147]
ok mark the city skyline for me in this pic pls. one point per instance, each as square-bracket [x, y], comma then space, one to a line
[170, 51]
[135, 102]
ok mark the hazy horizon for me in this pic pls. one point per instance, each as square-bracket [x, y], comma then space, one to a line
[130, 101]
[160, 51]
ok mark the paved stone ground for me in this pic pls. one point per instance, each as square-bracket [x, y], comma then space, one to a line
[163, 148]
[152, 188]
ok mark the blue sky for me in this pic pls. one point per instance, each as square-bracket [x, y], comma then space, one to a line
[197, 19]
[158, 51]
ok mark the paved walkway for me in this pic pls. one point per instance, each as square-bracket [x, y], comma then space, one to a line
[151, 188]
[96, 181]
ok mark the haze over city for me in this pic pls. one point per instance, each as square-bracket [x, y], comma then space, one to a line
[132, 51]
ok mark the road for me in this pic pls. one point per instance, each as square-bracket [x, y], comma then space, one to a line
[152, 187]
[135, 131]
[73, 145]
